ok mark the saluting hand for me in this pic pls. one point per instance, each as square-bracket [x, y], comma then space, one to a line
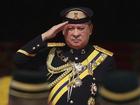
[51, 33]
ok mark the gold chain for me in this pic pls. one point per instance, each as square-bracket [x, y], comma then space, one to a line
[55, 70]
[66, 69]
[50, 85]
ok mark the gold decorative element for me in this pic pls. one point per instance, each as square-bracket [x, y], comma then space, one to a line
[94, 63]
[76, 82]
[89, 66]
[103, 50]
[55, 44]
[61, 56]
[66, 68]
[38, 45]
[55, 70]
[93, 88]
[58, 79]
[91, 101]
[25, 53]
[55, 96]
[83, 51]
[71, 101]
[76, 14]
[74, 79]
[71, 51]
[33, 48]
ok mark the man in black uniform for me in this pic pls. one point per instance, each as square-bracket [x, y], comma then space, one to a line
[70, 69]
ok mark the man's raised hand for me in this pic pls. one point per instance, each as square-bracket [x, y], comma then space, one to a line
[52, 32]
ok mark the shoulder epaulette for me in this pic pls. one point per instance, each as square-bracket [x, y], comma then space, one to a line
[103, 50]
[55, 44]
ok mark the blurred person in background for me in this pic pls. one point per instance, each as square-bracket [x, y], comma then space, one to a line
[119, 88]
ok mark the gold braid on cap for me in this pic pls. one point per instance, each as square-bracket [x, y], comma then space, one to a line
[76, 14]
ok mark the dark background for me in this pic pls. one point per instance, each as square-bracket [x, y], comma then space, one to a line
[115, 20]
[117, 28]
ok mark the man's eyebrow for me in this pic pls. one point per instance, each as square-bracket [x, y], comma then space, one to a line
[69, 26]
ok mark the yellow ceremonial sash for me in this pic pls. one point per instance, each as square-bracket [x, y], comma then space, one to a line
[62, 85]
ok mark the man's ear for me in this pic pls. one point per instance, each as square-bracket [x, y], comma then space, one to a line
[91, 28]
[63, 32]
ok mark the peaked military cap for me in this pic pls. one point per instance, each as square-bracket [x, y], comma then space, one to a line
[77, 14]
[120, 87]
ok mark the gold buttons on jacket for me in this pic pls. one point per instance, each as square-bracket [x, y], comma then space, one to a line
[33, 48]
[76, 58]
[71, 102]
[38, 45]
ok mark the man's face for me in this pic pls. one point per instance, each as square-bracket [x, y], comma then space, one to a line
[77, 35]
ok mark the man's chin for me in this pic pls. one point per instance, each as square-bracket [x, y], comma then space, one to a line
[76, 46]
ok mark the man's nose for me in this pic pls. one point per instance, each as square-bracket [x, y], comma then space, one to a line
[76, 36]
[76, 33]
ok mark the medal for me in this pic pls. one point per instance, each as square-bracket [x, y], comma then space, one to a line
[93, 88]
[78, 67]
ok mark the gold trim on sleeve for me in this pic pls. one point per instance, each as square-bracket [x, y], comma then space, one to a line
[25, 53]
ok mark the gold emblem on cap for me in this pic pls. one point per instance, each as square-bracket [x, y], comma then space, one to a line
[76, 15]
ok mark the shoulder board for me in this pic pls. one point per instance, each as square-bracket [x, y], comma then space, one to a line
[55, 44]
[103, 50]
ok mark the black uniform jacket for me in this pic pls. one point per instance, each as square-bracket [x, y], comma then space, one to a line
[57, 65]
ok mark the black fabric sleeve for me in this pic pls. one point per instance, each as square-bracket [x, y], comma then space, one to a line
[36, 47]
